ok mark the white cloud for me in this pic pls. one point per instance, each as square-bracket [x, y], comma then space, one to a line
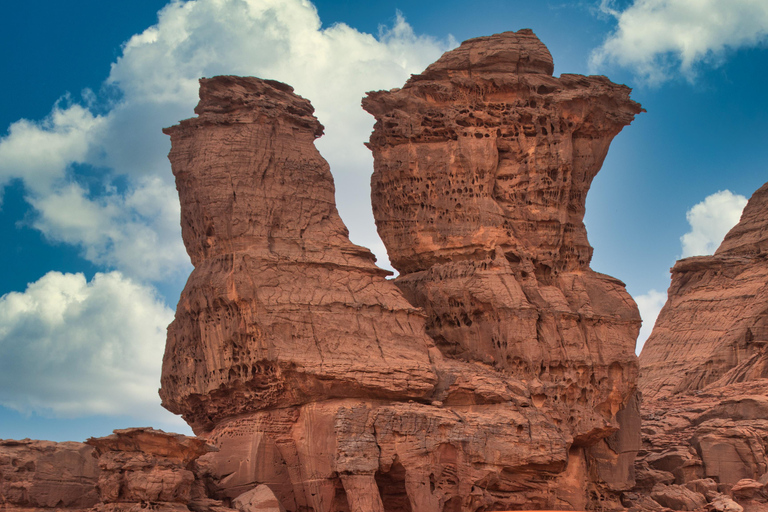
[96, 175]
[156, 78]
[650, 305]
[39, 152]
[70, 347]
[137, 232]
[658, 37]
[710, 221]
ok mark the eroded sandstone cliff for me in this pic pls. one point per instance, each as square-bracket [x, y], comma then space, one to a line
[281, 308]
[131, 470]
[714, 325]
[482, 167]
[704, 377]
[312, 373]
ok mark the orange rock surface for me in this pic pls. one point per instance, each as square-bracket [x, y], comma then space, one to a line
[704, 376]
[47, 475]
[714, 326]
[481, 169]
[313, 375]
[281, 308]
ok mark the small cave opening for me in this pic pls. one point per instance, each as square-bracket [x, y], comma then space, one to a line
[392, 489]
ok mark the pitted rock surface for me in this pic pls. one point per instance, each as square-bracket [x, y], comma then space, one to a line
[281, 308]
[314, 376]
[481, 171]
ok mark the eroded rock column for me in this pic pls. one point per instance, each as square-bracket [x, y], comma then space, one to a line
[482, 167]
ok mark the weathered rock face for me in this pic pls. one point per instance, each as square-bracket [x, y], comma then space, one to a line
[714, 327]
[712, 442]
[126, 471]
[482, 166]
[704, 373]
[281, 308]
[46, 475]
[141, 465]
[314, 376]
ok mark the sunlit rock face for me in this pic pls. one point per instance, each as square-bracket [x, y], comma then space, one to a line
[704, 373]
[281, 308]
[315, 376]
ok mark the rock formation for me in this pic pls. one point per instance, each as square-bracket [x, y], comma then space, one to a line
[482, 167]
[714, 326]
[47, 475]
[315, 377]
[704, 376]
[129, 470]
[281, 308]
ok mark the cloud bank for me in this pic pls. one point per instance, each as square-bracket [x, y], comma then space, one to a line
[710, 221]
[96, 176]
[70, 347]
[650, 305]
[659, 38]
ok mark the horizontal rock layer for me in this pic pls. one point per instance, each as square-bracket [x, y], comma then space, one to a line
[481, 169]
[713, 329]
[281, 308]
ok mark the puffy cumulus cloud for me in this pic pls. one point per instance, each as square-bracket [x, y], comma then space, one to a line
[155, 80]
[39, 152]
[658, 37]
[710, 221]
[650, 305]
[69, 347]
[136, 232]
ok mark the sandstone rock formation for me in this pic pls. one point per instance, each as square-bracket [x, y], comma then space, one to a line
[714, 326]
[281, 308]
[482, 167]
[147, 466]
[312, 373]
[704, 374]
[129, 470]
[47, 475]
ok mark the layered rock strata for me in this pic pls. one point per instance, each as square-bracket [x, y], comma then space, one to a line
[130, 470]
[140, 466]
[482, 165]
[46, 475]
[314, 376]
[281, 308]
[714, 325]
[704, 375]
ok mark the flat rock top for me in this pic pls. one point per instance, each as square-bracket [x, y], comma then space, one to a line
[152, 441]
[247, 99]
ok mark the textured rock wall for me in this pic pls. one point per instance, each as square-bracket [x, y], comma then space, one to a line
[47, 475]
[130, 470]
[704, 378]
[314, 376]
[281, 308]
[714, 326]
[482, 166]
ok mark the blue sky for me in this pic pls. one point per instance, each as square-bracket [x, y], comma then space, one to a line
[92, 258]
